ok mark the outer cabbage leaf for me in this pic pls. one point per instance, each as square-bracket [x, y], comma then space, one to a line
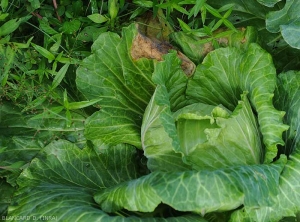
[13, 122]
[23, 135]
[269, 3]
[62, 180]
[124, 85]
[287, 98]
[287, 202]
[66, 177]
[226, 73]
[169, 74]
[53, 124]
[246, 13]
[205, 191]
[46, 126]
[159, 137]
[286, 20]
[15, 153]
[251, 13]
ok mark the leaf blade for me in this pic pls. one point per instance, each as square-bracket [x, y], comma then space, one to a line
[236, 71]
[124, 85]
[44, 52]
[60, 75]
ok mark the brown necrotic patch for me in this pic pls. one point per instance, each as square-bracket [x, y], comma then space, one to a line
[145, 47]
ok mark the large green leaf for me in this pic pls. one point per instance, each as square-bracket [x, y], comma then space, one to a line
[269, 3]
[168, 73]
[201, 192]
[15, 153]
[49, 124]
[12, 121]
[226, 73]
[23, 135]
[287, 98]
[124, 85]
[159, 137]
[52, 124]
[286, 20]
[251, 13]
[19, 143]
[61, 183]
[287, 202]
[66, 177]
[245, 13]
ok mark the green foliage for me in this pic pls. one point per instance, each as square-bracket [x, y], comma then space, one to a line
[288, 24]
[89, 131]
[111, 84]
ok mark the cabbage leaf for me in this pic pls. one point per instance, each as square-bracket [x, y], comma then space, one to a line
[210, 141]
[226, 73]
[287, 21]
[62, 180]
[201, 192]
[111, 74]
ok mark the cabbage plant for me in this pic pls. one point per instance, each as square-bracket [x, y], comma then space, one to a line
[215, 144]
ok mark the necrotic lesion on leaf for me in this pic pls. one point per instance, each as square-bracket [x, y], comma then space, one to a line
[151, 48]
